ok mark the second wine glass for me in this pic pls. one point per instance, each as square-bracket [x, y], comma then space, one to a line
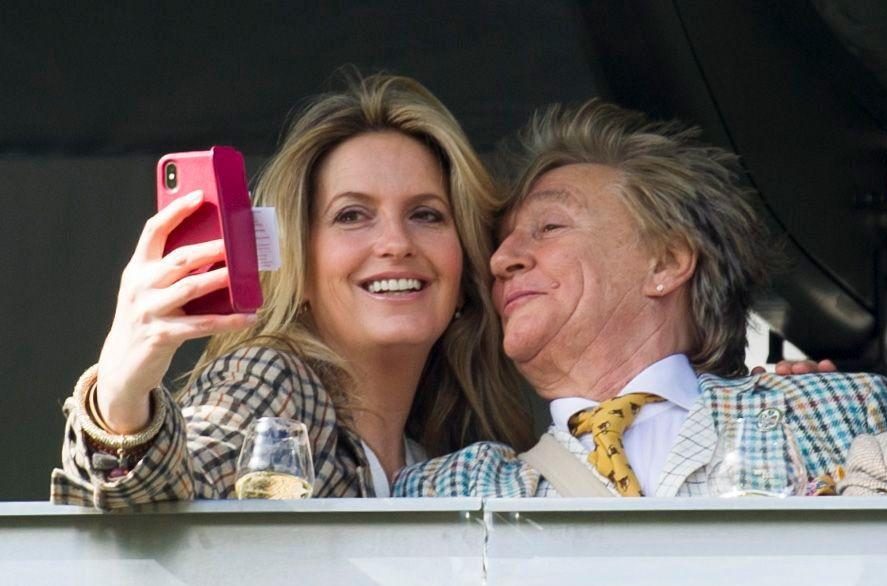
[757, 457]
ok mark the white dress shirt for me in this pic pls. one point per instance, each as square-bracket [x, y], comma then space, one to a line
[649, 439]
[413, 454]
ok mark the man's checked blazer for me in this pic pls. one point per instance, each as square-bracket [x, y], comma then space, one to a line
[825, 411]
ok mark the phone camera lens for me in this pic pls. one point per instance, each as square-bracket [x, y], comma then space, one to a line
[170, 176]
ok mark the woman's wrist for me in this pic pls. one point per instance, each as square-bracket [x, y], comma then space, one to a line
[118, 411]
[96, 427]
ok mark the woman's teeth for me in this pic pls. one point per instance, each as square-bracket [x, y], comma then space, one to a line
[393, 285]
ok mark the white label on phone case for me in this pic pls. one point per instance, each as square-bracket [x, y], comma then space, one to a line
[267, 238]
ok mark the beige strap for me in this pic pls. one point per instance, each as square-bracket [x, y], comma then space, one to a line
[569, 476]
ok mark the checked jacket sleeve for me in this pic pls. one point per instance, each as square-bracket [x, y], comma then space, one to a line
[195, 454]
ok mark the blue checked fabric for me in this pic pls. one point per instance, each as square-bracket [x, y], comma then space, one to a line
[195, 454]
[826, 411]
[485, 469]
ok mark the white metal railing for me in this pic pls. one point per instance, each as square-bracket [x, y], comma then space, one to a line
[450, 541]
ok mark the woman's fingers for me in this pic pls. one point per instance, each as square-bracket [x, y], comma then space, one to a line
[827, 366]
[182, 261]
[189, 327]
[789, 367]
[786, 367]
[166, 301]
[158, 227]
[149, 322]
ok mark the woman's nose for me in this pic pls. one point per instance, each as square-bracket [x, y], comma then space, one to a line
[394, 240]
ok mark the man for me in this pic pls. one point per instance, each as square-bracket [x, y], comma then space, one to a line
[628, 260]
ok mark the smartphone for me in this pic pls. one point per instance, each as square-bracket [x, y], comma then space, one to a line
[226, 213]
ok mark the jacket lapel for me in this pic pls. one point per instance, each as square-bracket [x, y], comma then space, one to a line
[692, 449]
[360, 479]
[696, 442]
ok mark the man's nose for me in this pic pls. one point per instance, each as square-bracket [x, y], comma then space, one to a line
[394, 240]
[510, 258]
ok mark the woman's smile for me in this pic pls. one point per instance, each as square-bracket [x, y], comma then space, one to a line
[395, 286]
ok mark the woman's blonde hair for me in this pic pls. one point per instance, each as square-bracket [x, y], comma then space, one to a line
[678, 190]
[468, 391]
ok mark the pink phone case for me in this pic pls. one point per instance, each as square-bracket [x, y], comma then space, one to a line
[226, 213]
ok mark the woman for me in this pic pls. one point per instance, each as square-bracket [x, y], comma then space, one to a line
[378, 325]
[624, 277]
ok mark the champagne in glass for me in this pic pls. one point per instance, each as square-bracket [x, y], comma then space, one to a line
[757, 457]
[275, 461]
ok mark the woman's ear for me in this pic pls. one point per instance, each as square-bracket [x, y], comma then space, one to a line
[674, 267]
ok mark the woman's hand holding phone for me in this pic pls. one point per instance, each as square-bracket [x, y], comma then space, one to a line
[149, 322]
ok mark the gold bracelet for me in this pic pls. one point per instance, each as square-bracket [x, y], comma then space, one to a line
[83, 391]
[92, 408]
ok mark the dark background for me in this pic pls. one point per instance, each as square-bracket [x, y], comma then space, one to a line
[91, 96]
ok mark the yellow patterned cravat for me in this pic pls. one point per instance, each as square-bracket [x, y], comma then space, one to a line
[606, 423]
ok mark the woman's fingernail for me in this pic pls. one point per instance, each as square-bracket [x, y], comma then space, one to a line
[195, 196]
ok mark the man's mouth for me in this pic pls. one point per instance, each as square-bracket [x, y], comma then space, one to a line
[393, 286]
[517, 298]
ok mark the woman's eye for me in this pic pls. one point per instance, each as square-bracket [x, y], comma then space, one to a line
[428, 215]
[551, 227]
[349, 216]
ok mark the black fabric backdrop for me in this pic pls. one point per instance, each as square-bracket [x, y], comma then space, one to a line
[92, 94]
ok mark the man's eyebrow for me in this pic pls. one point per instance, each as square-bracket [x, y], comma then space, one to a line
[553, 195]
[506, 222]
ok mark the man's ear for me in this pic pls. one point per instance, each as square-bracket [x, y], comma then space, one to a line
[674, 267]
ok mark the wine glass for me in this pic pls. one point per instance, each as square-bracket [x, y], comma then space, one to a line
[757, 457]
[275, 461]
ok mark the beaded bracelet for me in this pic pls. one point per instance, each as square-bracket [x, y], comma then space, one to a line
[94, 426]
